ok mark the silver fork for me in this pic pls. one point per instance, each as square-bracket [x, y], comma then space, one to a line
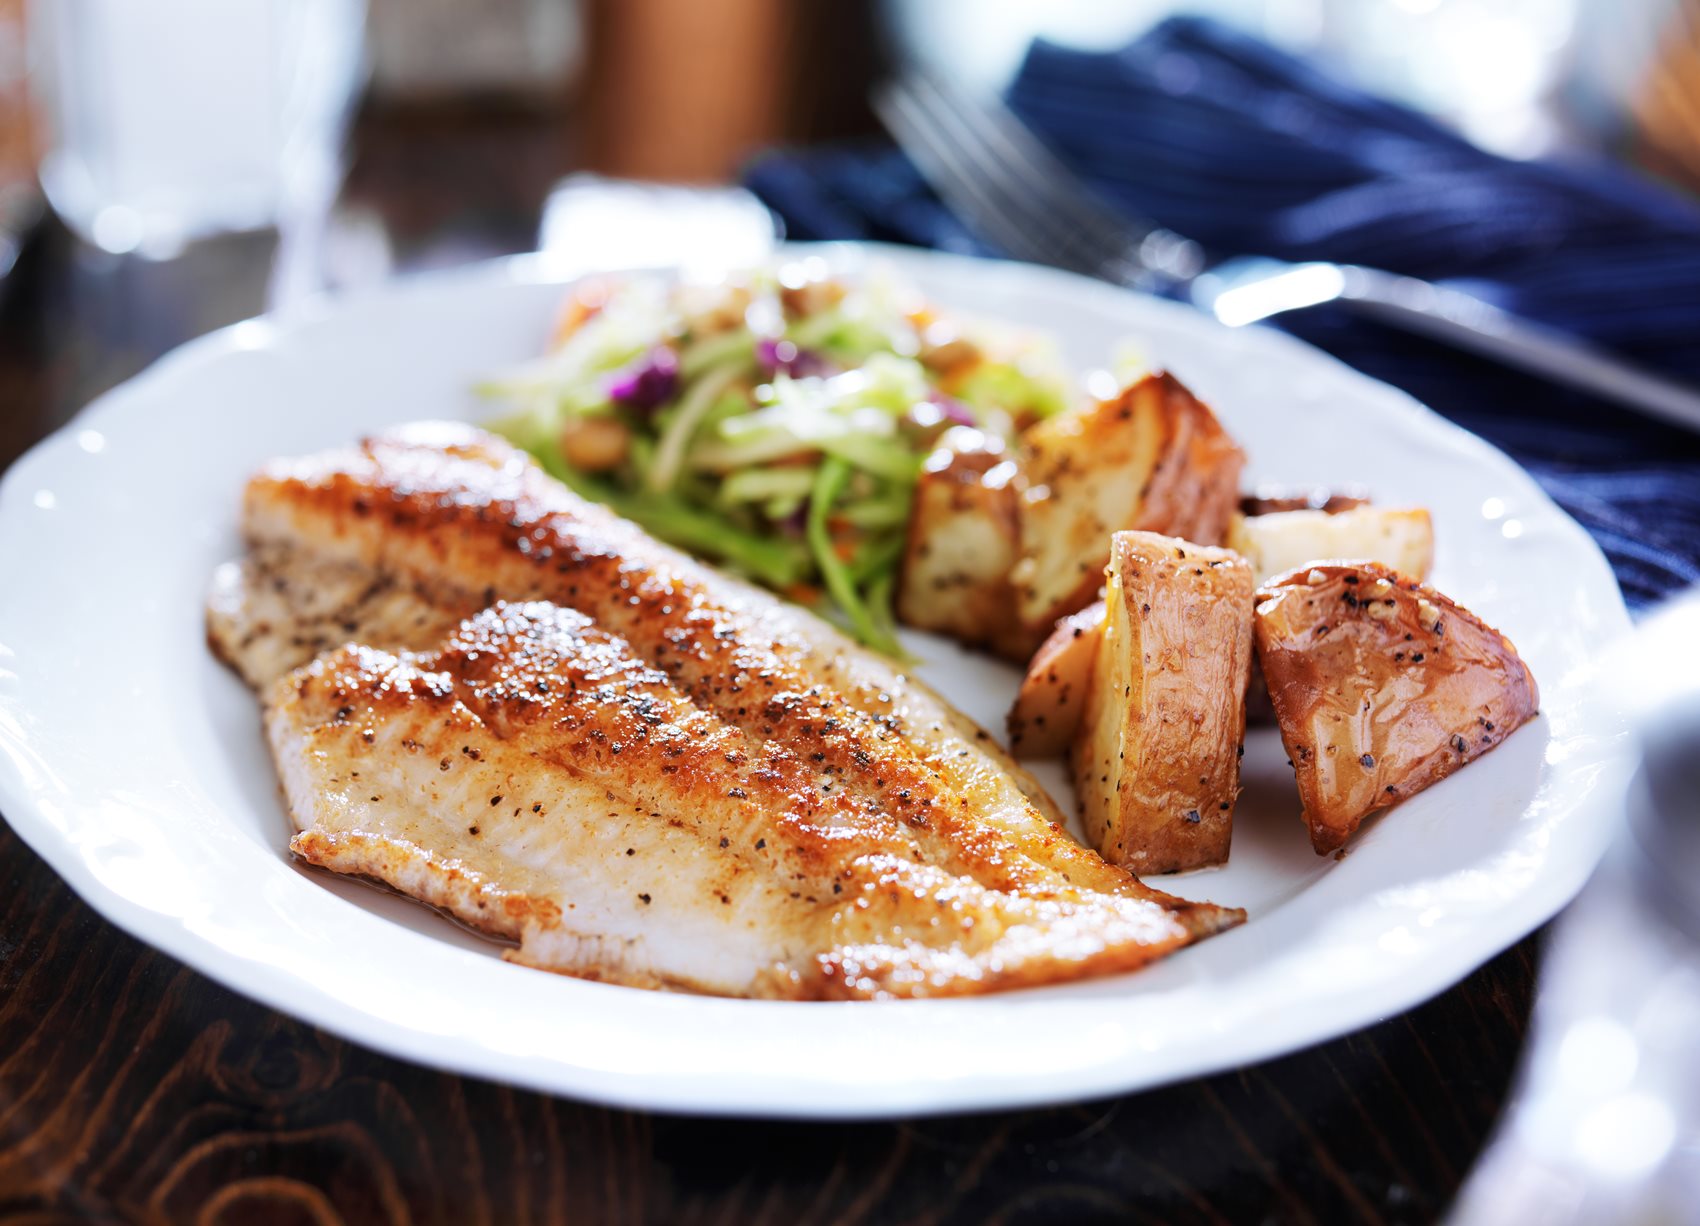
[1002, 181]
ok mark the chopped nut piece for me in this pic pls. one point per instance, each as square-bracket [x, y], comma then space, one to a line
[595, 444]
[802, 295]
[943, 349]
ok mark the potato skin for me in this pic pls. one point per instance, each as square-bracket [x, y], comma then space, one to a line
[1047, 711]
[961, 544]
[1154, 458]
[1157, 763]
[1196, 486]
[1381, 687]
[1279, 533]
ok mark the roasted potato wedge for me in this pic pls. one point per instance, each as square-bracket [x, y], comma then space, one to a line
[1154, 458]
[1381, 686]
[1047, 710]
[954, 577]
[1402, 538]
[1156, 763]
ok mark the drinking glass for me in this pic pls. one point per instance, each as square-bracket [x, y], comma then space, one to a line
[170, 120]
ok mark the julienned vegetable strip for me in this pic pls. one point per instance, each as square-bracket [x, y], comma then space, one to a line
[698, 400]
[703, 355]
[830, 481]
[761, 484]
[878, 557]
[775, 561]
[879, 607]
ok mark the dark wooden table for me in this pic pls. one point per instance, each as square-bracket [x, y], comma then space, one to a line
[134, 1090]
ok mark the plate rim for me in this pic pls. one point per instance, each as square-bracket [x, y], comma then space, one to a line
[24, 809]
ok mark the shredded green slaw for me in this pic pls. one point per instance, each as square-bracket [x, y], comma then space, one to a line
[775, 423]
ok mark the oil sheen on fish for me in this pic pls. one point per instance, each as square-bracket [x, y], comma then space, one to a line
[637, 768]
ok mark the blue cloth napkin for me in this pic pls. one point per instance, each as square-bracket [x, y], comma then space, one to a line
[1248, 150]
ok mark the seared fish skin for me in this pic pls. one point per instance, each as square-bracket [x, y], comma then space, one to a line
[900, 852]
[536, 779]
[281, 606]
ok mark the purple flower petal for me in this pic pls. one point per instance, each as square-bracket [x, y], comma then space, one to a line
[647, 383]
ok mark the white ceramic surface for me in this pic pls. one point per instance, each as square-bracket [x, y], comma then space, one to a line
[133, 763]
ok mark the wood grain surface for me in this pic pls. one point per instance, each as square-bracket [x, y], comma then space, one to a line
[134, 1090]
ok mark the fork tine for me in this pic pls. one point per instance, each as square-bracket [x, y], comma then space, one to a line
[1012, 144]
[990, 195]
[969, 194]
[995, 173]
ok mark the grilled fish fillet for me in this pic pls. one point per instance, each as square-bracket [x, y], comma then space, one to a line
[642, 770]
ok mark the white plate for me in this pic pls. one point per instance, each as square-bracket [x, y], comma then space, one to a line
[133, 763]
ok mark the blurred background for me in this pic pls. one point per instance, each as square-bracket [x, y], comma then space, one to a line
[208, 157]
